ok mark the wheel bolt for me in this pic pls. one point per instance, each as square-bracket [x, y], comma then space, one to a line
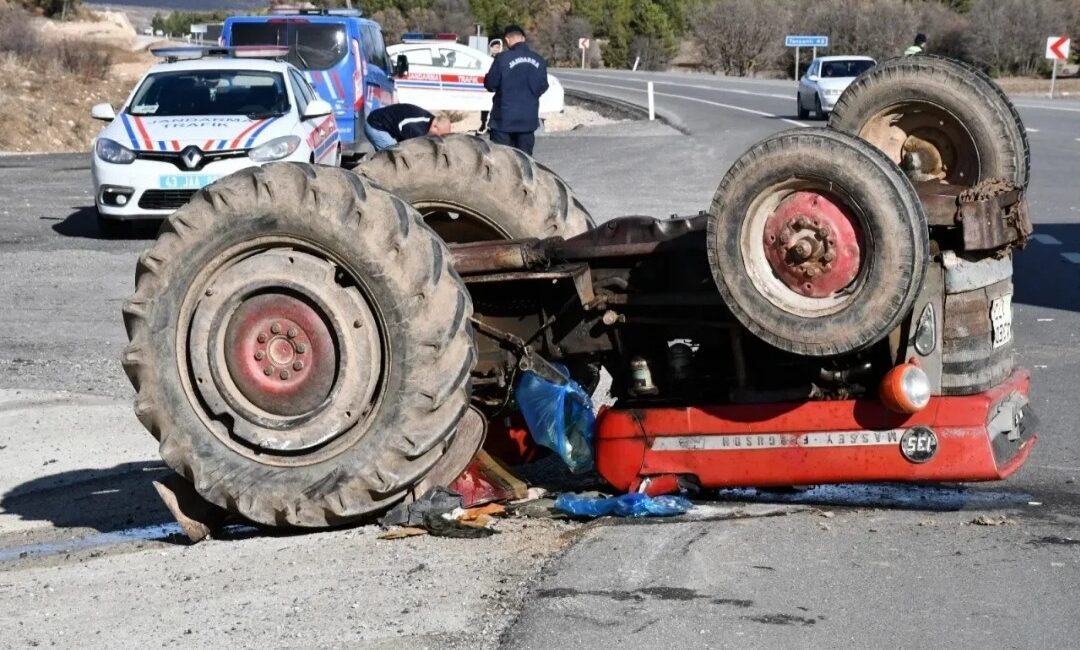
[275, 328]
[829, 256]
[262, 337]
[785, 236]
[301, 348]
[284, 374]
[299, 365]
[259, 355]
[292, 333]
[268, 370]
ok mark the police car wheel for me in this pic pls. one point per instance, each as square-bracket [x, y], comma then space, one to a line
[939, 119]
[299, 365]
[469, 189]
[817, 243]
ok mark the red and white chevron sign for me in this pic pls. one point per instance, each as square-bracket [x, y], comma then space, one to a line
[1057, 47]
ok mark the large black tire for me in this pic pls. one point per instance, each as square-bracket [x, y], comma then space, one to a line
[850, 179]
[383, 423]
[965, 116]
[491, 191]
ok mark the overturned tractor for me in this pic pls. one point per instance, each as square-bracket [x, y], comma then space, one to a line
[312, 345]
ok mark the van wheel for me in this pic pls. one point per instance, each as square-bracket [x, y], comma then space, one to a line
[817, 243]
[469, 189]
[300, 346]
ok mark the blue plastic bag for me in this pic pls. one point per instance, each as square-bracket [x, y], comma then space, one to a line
[560, 417]
[634, 504]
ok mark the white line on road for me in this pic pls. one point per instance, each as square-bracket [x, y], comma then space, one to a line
[1049, 108]
[1072, 257]
[696, 86]
[696, 99]
[1050, 240]
[1030, 130]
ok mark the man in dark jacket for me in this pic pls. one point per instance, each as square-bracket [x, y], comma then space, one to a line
[395, 123]
[518, 77]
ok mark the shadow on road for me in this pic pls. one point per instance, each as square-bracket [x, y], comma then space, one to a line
[83, 223]
[106, 500]
[1042, 275]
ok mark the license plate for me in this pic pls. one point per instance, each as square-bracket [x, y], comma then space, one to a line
[1001, 320]
[185, 181]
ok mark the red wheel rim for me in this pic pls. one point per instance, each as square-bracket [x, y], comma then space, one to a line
[280, 354]
[813, 244]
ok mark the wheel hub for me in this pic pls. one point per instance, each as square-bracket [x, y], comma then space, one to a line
[812, 244]
[281, 355]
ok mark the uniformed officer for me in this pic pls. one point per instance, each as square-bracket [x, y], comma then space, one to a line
[518, 77]
[395, 123]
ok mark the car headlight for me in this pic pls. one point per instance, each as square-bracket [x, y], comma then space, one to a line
[276, 149]
[113, 152]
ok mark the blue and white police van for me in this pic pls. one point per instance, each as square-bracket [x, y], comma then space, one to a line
[341, 53]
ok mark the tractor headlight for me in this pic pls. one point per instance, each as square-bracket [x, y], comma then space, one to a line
[906, 389]
[276, 149]
[112, 151]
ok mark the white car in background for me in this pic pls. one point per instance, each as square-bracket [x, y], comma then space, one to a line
[201, 115]
[825, 80]
[445, 75]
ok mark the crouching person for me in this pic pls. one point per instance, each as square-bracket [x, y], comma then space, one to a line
[395, 123]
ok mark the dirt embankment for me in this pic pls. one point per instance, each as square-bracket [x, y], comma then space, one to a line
[52, 73]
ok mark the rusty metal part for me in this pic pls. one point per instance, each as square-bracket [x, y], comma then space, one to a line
[579, 274]
[993, 215]
[528, 360]
[813, 244]
[501, 255]
[471, 431]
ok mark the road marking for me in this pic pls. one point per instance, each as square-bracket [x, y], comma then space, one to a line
[696, 86]
[697, 99]
[1072, 257]
[1030, 130]
[1049, 108]
[1046, 239]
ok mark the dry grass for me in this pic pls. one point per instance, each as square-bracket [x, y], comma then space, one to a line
[1069, 87]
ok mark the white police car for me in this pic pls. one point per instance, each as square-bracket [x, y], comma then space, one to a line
[444, 75]
[201, 115]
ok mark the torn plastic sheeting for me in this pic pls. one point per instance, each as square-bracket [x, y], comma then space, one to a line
[634, 504]
[559, 417]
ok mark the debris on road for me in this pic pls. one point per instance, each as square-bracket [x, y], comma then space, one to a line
[439, 500]
[198, 518]
[486, 480]
[559, 415]
[987, 520]
[633, 504]
[401, 533]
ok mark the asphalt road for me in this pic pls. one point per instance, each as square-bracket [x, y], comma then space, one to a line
[87, 558]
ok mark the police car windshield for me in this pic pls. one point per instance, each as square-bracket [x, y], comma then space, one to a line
[312, 46]
[848, 68]
[211, 92]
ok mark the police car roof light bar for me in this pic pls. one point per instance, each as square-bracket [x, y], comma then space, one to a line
[420, 37]
[293, 10]
[259, 51]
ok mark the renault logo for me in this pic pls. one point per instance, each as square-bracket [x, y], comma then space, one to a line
[191, 157]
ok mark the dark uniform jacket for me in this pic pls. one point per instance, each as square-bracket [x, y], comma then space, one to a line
[518, 77]
[402, 121]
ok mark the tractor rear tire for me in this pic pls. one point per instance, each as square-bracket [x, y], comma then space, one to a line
[963, 116]
[469, 189]
[378, 315]
[860, 221]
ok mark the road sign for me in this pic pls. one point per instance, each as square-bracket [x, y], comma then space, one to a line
[1057, 47]
[793, 40]
[198, 28]
[583, 43]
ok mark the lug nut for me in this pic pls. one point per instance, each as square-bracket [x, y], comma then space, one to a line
[268, 370]
[811, 271]
[829, 256]
[785, 236]
[259, 355]
[292, 333]
[301, 348]
[299, 365]
[262, 337]
[284, 374]
[275, 328]
[209, 292]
